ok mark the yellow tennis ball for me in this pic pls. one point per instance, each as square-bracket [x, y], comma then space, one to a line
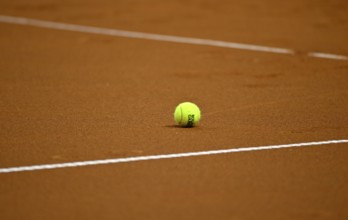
[187, 114]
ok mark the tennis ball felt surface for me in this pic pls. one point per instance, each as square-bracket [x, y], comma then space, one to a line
[187, 114]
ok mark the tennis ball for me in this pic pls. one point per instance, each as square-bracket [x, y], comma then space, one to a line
[187, 114]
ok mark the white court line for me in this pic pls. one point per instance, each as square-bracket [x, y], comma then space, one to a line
[163, 156]
[157, 37]
[327, 56]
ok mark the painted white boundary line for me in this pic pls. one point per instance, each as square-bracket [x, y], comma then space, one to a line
[327, 56]
[157, 37]
[163, 156]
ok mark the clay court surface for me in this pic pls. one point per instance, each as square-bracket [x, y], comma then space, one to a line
[70, 96]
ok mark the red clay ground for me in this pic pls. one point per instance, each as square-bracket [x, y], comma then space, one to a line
[69, 96]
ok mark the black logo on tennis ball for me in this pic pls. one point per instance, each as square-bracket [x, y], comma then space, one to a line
[191, 120]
